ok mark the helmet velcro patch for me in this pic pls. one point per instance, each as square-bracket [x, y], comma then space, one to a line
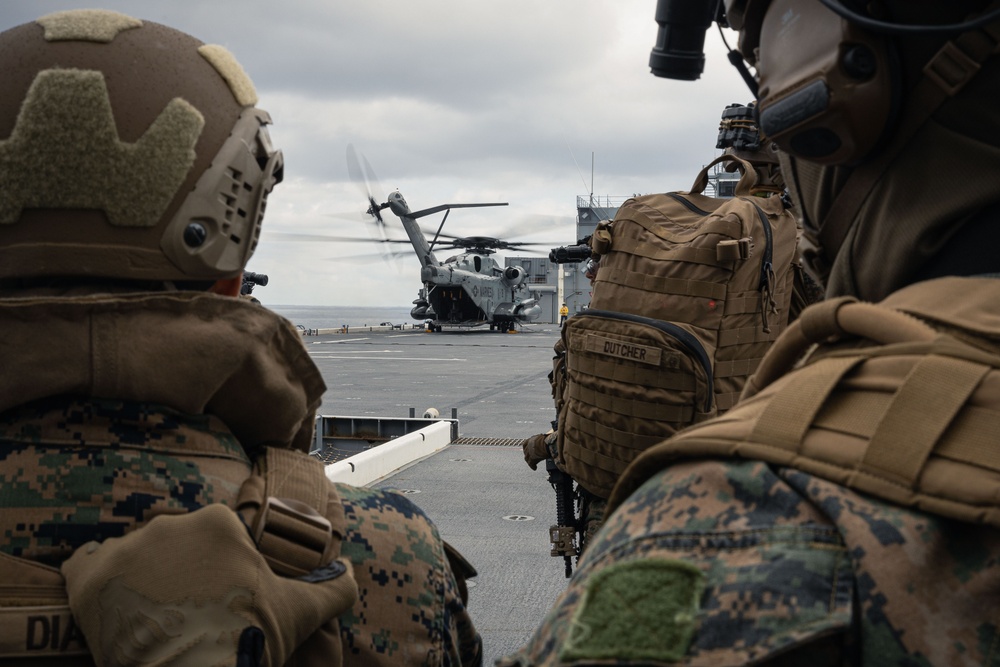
[65, 152]
[229, 68]
[88, 25]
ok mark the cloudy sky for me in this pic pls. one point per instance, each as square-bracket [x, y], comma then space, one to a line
[450, 101]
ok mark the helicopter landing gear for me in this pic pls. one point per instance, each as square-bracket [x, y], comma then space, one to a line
[506, 326]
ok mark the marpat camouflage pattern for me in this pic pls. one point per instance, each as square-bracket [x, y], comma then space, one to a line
[386, 529]
[74, 470]
[736, 562]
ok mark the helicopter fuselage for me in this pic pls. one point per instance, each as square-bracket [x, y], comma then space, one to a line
[472, 288]
[468, 289]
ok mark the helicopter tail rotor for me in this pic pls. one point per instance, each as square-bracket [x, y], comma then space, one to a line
[361, 172]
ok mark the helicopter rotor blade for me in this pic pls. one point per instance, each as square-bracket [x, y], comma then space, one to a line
[361, 172]
[446, 207]
[528, 244]
[294, 236]
[529, 224]
[367, 257]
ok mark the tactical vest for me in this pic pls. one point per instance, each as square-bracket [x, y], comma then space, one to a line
[899, 400]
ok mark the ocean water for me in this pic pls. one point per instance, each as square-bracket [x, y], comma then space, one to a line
[331, 317]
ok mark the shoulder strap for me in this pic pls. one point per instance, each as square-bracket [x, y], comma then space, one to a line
[293, 512]
[297, 520]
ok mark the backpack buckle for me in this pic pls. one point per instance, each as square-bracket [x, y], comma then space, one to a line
[732, 250]
[951, 68]
[292, 537]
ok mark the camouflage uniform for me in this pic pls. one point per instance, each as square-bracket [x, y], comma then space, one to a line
[136, 169]
[75, 469]
[787, 569]
[130, 462]
[439, 630]
[716, 561]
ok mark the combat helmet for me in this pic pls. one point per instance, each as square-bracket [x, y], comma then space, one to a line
[128, 151]
[740, 135]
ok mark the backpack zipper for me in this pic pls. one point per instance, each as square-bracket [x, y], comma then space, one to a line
[685, 338]
[688, 205]
[765, 285]
[765, 265]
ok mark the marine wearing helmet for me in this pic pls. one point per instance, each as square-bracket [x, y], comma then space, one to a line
[158, 505]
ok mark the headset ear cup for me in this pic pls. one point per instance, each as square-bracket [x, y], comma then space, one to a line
[825, 84]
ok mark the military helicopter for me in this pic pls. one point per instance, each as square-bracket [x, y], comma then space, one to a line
[469, 289]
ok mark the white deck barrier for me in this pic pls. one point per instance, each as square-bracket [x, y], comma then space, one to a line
[373, 464]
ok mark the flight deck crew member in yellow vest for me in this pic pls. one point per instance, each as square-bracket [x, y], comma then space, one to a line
[563, 314]
[157, 505]
[846, 510]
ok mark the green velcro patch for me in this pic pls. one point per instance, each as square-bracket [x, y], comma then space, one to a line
[640, 610]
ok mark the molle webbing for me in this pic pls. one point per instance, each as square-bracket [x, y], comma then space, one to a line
[703, 261]
[663, 284]
[632, 407]
[629, 382]
[721, 272]
[885, 405]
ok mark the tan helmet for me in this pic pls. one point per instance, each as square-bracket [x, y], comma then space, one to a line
[740, 135]
[128, 150]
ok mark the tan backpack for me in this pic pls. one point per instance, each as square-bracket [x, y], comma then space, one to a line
[690, 293]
